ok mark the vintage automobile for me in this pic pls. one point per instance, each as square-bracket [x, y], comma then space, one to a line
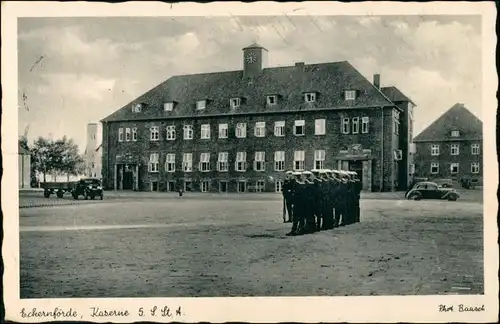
[88, 188]
[430, 190]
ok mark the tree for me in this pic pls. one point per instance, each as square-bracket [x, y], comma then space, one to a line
[60, 156]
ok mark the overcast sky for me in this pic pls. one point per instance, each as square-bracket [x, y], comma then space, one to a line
[75, 71]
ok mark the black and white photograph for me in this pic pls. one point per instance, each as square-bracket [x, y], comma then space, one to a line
[328, 162]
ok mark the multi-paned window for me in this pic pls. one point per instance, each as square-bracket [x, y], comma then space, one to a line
[345, 126]
[241, 130]
[319, 127]
[355, 125]
[260, 185]
[154, 133]
[241, 161]
[187, 162]
[395, 121]
[299, 128]
[434, 168]
[204, 162]
[279, 128]
[134, 134]
[474, 167]
[120, 134]
[319, 159]
[310, 97]
[475, 149]
[127, 134]
[364, 124]
[278, 186]
[205, 131]
[235, 102]
[260, 129]
[435, 149]
[168, 106]
[412, 168]
[205, 186]
[223, 162]
[170, 162]
[223, 130]
[260, 161]
[170, 132]
[272, 100]
[154, 159]
[299, 161]
[200, 105]
[188, 132]
[455, 133]
[279, 161]
[350, 94]
[455, 149]
[454, 168]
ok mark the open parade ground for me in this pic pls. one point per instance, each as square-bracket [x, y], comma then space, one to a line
[234, 246]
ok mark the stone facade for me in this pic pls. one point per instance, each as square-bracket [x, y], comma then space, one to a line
[361, 152]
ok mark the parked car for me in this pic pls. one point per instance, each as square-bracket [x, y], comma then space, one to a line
[88, 188]
[430, 190]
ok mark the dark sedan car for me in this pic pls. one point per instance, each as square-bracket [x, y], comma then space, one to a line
[88, 188]
[430, 190]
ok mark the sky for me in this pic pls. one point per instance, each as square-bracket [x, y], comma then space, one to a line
[73, 71]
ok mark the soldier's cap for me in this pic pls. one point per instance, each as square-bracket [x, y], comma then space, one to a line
[307, 173]
[327, 171]
[315, 171]
[322, 171]
[296, 173]
[289, 172]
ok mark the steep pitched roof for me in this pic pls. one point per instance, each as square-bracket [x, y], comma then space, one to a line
[394, 94]
[23, 151]
[329, 80]
[456, 118]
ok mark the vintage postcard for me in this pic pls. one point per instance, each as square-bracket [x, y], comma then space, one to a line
[249, 162]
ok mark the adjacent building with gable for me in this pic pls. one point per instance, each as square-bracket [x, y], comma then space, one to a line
[239, 131]
[451, 147]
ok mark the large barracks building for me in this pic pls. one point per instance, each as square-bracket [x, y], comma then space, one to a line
[239, 131]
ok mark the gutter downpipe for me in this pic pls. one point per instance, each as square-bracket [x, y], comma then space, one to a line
[382, 151]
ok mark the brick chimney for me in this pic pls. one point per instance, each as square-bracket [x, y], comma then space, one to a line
[376, 80]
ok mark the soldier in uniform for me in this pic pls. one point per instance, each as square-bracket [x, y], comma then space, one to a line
[309, 202]
[288, 195]
[319, 198]
[357, 193]
[327, 210]
[341, 198]
[298, 205]
[351, 210]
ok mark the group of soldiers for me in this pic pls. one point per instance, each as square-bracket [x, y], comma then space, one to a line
[320, 200]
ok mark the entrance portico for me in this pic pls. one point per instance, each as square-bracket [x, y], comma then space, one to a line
[126, 173]
[359, 160]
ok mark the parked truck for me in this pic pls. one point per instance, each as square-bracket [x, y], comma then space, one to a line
[89, 188]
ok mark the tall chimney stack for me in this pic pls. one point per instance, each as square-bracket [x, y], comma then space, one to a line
[376, 80]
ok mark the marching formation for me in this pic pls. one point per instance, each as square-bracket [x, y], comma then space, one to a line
[320, 200]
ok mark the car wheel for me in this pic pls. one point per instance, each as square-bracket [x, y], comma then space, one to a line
[86, 197]
[60, 194]
[75, 196]
[452, 197]
[102, 197]
[415, 196]
[92, 197]
[46, 194]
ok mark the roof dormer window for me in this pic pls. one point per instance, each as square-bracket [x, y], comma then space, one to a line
[272, 100]
[350, 94]
[235, 102]
[168, 106]
[455, 133]
[200, 105]
[137, 108]
[310, 97]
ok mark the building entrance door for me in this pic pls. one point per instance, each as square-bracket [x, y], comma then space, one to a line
[128, 178]
[357, 166]
[223, 186]
[242, 186]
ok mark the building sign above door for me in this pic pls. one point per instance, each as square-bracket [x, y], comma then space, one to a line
[354, 152]
[126, 158]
